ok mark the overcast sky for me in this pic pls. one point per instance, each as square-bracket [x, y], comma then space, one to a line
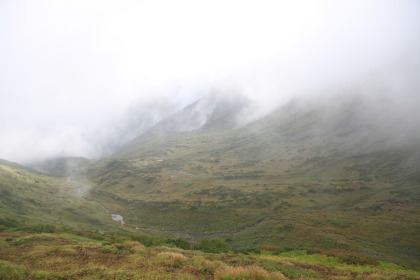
[76, 76]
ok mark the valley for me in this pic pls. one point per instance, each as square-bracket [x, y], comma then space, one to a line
[301, 179]
[277, 181]
[235, 201]
[210, 140]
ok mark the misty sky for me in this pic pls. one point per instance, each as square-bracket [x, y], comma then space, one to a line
[78, 78]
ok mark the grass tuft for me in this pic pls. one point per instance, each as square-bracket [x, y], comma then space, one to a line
[247, 272]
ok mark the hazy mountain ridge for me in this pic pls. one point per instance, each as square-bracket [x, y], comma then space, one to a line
[320, 127]
[214, 111]
[351, 124]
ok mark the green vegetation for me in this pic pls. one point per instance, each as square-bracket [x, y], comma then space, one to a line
[321, 203]
[287, 180]
[36, 202]
[70, 254]
[212, 246]
[284, 197]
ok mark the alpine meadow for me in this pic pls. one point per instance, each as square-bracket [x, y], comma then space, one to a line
[210, 140]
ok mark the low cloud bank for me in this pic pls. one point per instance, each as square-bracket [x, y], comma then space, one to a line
[81, 78]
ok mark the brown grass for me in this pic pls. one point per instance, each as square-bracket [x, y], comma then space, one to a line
[247, 272]
[266, 247]
[172, 255]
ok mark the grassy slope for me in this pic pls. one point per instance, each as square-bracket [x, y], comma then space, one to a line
[298, 178]
[83, 255]
[29, 198]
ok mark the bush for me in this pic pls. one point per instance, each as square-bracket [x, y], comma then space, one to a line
[170, 259]
[147, 240]
[8, 223]
[110, 249]
[359, 259]
[313, 251]
[39, 229]
[179, 243]
[126, 247]
[212, 246]
[353, 258]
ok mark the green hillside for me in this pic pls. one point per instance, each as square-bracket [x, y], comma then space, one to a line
[312, 175]
[33, 201]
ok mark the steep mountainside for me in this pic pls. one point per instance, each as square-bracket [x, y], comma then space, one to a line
[329, 174]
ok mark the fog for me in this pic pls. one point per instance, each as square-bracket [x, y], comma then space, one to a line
[81, 78]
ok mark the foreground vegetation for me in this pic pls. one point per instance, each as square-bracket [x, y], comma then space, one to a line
[71, 254]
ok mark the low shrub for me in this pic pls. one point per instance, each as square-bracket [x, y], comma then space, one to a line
[359, 259]
[110, 249]
[12, 271]
[147, 240]
[7, 223]
[353, 258]
[266, 247]
[212, 246]
[39, 229]
[247, 272]
[182, 244]
[127, 247]
[313, 251]
[171, 259]
[207, 267]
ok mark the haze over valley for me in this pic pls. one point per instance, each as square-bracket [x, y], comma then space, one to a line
[214, 140]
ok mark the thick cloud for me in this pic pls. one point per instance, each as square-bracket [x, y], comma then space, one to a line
[78, 78]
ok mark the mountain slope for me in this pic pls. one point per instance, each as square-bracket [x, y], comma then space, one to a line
[29, 198]
[213, 112]
[316, 174]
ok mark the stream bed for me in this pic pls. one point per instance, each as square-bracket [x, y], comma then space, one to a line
[114, 217]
